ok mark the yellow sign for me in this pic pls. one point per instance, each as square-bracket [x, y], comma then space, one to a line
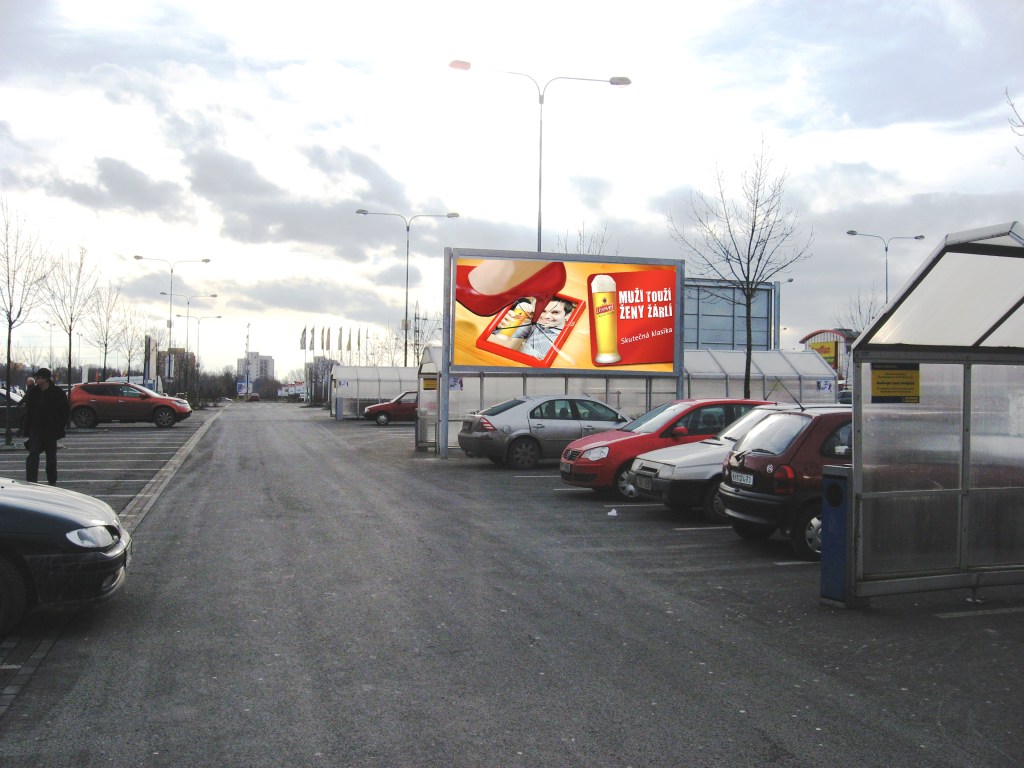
[829, 351]
[895, 383]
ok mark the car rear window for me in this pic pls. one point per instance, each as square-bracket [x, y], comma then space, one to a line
[775, 434]
[494, 410]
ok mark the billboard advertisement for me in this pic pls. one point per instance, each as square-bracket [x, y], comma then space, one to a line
[558, 312]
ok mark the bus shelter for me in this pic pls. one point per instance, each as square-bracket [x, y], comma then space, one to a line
[936, 499]
[353, 387]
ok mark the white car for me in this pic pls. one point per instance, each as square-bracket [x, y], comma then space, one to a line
[687, 476]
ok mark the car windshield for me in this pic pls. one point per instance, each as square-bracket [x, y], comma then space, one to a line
[774, 434]
[656, 418]
[494, 410]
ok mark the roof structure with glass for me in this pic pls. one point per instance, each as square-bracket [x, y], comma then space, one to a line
[967, 297]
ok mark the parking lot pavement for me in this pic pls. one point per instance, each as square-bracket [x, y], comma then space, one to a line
[471, 609]
[117, 463]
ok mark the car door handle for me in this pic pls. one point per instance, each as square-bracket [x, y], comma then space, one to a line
[537, 426]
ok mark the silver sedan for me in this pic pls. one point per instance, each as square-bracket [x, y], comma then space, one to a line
[522, 431]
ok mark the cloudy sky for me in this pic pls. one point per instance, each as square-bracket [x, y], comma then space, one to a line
[249, 133]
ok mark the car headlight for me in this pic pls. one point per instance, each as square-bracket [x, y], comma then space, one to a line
[97, 537]
[595, 454]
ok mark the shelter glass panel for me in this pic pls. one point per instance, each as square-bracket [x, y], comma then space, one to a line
[910, 533]
[997, 427]
[995, 533]
[914, 446]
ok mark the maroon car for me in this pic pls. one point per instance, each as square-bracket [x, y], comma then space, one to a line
[772, 479]
[401, 408]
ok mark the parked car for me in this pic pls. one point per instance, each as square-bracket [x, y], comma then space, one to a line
[603, 461]
[112, 401]
[687, 476]
[522, 431]
[17, 409]
[56, 546]
[253, 398]
[401, 408]
[772, 479]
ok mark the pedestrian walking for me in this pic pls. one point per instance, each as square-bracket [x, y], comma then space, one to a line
[46, 419]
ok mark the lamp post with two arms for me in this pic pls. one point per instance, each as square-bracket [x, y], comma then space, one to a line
[170, 295]
[541, 91]
[885, 242]
[408, 225]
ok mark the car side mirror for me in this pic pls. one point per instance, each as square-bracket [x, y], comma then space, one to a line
[680, 432]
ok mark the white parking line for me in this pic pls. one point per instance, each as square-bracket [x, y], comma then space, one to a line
[987, 612]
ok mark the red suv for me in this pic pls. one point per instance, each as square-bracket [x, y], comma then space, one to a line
[602, 461]
[772, 479]
[112, 401]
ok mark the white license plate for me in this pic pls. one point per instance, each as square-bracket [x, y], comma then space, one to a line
[643, 483]
[565, 468]
[742, 478]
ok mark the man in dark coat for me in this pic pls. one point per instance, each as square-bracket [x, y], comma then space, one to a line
[46, 417]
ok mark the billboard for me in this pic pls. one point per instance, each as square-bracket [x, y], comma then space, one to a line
[559, 312]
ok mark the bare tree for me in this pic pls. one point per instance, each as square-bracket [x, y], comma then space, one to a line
[590, 244]
[1016, 122]
[23, 268]
[746, 242]
[104, 328]
[859, 311]
[131, 341]
[71, 293]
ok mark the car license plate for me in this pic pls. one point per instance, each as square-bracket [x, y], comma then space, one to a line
[565, 468]
[742, 478]
[643, 483]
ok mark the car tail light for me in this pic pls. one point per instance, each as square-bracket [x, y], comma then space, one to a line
[784, 480]
[486, 426]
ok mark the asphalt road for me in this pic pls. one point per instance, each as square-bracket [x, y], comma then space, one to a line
[306, 592]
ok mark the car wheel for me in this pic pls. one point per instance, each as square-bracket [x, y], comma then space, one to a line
[523, 454]
[164, 417]
[623, 489]
[751, 531]
[383, 419]
[713, 508]
[13, 596]
[84, 418]
[806, 533]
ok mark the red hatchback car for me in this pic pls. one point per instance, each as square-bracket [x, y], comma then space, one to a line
[401, 408]
[772, 480]
[602, 461]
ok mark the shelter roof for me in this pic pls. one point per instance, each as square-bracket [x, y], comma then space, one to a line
[968, 296]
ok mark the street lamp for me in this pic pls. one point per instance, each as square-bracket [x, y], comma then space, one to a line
[541, 90]
[170, 294]
[188, 306]
[886, 243]
[408, 225]
[199, 323]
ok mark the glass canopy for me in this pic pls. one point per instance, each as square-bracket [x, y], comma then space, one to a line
[968, 295]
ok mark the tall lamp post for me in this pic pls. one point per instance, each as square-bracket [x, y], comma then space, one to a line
[170, 296]
[199, 323]
[885, 242]
[408, 225]
[188, 306]
[541, 90]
